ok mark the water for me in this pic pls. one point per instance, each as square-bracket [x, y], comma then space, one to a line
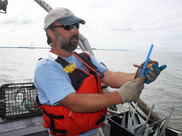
[17, 65]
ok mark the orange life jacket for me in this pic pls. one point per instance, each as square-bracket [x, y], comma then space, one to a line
[62, 121]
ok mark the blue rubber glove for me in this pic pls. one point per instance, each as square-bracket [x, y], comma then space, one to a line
[152, 75]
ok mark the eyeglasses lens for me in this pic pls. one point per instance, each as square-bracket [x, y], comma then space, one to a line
[70, 27]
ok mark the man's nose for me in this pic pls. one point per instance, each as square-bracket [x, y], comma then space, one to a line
[75, 29]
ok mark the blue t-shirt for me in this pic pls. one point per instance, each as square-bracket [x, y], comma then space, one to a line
[53, 83]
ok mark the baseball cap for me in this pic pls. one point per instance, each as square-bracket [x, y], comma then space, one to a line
[63, 15]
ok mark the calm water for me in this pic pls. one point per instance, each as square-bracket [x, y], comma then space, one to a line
[17, 65]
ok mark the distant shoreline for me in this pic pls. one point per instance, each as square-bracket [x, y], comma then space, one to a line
[27, 47]
[49, 48]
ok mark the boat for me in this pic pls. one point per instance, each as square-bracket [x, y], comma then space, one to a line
[21, 116]
[133, 123]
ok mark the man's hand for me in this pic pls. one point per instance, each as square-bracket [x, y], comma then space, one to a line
[152, 75]
[151, 71]
[130, 91]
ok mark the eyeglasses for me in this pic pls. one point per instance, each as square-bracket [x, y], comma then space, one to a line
[68, 27]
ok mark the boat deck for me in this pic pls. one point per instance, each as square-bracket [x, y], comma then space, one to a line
[30, 126]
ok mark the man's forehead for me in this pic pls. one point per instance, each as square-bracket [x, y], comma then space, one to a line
[57, 23]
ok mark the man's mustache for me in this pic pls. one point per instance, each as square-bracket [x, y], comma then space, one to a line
[74, 36]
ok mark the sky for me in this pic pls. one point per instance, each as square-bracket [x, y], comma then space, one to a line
[110, 24]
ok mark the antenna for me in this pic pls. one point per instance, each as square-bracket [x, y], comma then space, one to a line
[44, 5]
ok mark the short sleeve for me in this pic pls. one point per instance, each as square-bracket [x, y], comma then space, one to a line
[52, 82]
[101, 67]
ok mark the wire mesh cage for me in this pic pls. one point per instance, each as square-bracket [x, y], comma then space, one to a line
[18, 101]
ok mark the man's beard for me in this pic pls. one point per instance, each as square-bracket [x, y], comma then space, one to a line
[68, 46]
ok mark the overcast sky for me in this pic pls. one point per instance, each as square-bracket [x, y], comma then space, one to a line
[110, 24]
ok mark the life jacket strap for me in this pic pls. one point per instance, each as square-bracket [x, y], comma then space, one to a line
[100, 120]
[86, 58]
[52, 117]
[77, 76]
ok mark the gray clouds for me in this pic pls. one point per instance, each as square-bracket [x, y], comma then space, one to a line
[123, 24]
[16, 21]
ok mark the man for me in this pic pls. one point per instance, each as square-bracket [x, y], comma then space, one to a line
[69, 84]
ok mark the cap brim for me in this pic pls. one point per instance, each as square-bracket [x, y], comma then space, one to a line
[71, 20]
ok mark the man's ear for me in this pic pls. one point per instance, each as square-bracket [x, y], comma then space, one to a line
[51, 33]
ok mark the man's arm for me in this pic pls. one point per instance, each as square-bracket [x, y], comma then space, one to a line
[116, 79]
[93, 102]
[112, 79]
[90, 102]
